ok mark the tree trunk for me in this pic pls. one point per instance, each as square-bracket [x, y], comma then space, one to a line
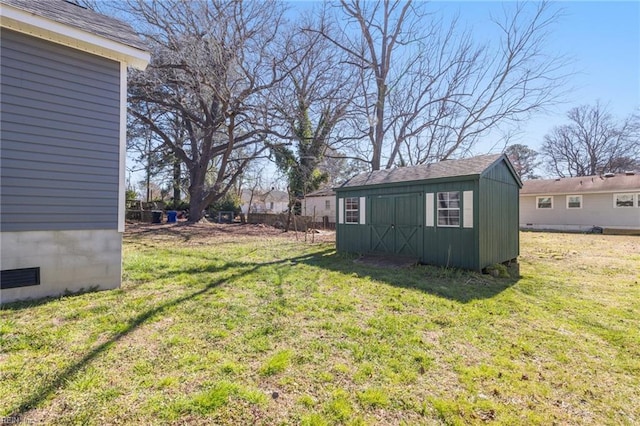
[176, 182]
[196, 210]
[196, 195]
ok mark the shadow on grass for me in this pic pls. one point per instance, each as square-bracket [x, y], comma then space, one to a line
[67, 374]
[454, 284]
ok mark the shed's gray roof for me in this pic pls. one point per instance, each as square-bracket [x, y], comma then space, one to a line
[443, 169]
[82, 18]
[584, 184]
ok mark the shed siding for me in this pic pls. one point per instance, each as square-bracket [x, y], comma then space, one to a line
[451, 247]
[499, 231]
[487, 233]
[60, 137]
[500, 173]
[454, 247]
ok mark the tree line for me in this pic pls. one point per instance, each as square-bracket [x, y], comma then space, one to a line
[348, 85]
[592, 142]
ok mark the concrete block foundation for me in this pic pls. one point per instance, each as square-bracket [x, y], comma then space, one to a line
[69, 261]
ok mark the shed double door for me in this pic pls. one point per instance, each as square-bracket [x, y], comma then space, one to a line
[396, 224]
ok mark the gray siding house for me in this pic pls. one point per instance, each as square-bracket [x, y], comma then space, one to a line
[63, 130]
[610, 201]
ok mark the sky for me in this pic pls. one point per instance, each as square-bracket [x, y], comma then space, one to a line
[601, 39]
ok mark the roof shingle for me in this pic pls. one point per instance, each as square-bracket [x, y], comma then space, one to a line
[583, 184]
[71, 14]
[323, 192]
[443, 169]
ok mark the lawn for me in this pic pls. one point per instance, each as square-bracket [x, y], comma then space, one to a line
[227, 328]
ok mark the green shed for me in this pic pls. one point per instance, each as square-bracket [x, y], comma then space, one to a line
[457, 213]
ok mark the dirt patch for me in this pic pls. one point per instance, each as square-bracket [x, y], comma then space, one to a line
[387, 261]
[221, 232]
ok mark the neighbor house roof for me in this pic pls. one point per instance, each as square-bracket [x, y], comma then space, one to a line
[444, 169]
[49, 19]
[324, 192]
[274, 195]
[583, 184]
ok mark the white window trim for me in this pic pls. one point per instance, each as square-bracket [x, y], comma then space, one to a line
[351, 210]
[544, 208]
[573, 208]
[438, 209]
[634, 200]
[340, 210]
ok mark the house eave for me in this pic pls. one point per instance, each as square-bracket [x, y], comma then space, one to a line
[609, 191]
[19, 20]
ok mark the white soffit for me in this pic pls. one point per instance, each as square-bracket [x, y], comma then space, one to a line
[18, 20]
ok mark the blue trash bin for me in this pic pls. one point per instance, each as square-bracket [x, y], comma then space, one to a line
[172, 216]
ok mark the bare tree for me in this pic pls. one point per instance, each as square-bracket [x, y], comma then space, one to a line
[211, 63]
[428, 92]
[593, 143]
[523, 159]
[308, 105]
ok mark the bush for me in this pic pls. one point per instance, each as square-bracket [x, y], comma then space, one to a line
[229, 203]
[177, 205]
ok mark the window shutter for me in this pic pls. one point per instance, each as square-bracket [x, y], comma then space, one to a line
[429, 209]
[340, 210]
[363, 215]
[467, 214]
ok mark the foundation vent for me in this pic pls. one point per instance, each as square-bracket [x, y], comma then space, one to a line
[24, 277]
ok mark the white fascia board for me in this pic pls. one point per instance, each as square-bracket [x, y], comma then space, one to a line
[18, 20]
[122, 190]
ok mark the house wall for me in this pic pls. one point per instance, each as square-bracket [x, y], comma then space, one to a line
[60, 152]
[59, 166]
[319, 203]
[597, 210]
[69, 261]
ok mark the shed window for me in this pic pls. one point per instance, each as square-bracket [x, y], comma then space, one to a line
[351, 210]
[623, 200]
[574, 201]
[449, 208]
[544, 203]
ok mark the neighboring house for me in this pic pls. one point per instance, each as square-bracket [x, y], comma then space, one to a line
[321, 204]
[460, 213]
[273, 202]
[62, 159]
[611, 201]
